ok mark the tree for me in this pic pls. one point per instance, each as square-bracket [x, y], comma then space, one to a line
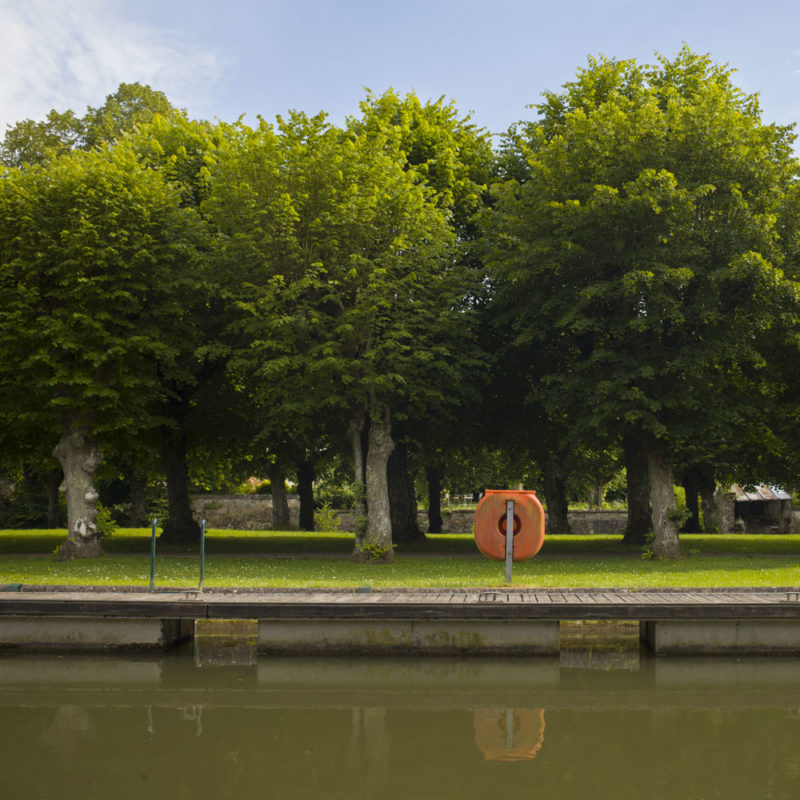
[347, 284]
[641, 237]
[198, 401]
[453, 158]
[31, 142]
[95, 252]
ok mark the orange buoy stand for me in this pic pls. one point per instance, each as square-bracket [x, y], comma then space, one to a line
[490, 524]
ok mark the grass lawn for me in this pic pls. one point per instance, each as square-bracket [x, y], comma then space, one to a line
[239, 559]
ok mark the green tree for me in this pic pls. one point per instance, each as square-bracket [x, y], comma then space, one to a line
[95, 252]
[345, 265]
[31, 142]
[641, 238]
[200, 411]
[452, 157]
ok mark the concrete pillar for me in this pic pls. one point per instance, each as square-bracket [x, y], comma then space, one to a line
[225, 642]
[722, 637]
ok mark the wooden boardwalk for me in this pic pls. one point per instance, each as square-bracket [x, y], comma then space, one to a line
[487, 604]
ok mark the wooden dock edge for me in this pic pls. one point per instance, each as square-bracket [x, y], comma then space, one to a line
[409, 623]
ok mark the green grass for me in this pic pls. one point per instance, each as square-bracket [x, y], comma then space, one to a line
[232, 542]
[405, 571]
[238, 559]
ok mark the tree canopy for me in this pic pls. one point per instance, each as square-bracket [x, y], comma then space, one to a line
[640, 246]
[95, 253]
[617, 278]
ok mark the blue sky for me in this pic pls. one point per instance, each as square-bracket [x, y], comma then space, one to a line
[224, 59]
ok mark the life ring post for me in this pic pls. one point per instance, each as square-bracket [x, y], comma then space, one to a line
[509, 539]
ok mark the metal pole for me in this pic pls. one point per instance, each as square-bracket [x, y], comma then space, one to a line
[509, 538]
[202, 552]
[153, 557]
[509, 729]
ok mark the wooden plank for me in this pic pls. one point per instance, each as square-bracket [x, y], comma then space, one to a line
[446, 604]
[610, 598]
[316, 597]
[392, 597]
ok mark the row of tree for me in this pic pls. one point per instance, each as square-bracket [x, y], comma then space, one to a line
[615, 280]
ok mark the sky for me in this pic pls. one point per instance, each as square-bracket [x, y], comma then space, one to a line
[263, 57]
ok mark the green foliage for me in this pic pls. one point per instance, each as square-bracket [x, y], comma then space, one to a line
[130, 106]
[336, 496]
[94, 252]
[373, 551]
[448, 153]
[326, 519]
[342, 263]
[616, 488]
[25, 504]
[637, 253]
[29, 142]
[106, 525]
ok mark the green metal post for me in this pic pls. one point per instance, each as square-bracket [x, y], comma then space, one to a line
[202, 552]
[153, 557]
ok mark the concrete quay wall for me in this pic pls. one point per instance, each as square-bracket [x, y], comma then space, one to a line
[470, 622]
[386, 637]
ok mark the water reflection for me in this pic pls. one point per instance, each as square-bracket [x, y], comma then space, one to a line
[601, 645]
[509, 734]
[358, 728]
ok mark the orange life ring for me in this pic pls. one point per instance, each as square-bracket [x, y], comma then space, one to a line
[490, 524]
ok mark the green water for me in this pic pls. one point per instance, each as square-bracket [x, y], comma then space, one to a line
[80, 727]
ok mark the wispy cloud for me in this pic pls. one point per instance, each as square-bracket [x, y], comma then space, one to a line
[72, 53]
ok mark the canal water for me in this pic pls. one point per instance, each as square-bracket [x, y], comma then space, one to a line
[145, 727]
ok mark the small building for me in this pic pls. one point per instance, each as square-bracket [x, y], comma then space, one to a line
[762, 509]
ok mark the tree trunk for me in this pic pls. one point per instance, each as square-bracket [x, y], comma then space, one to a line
[707, 485]
[53, 482]
[305, 488]
[280, 503]
[138, 484]
[662, 497]
[709, 507]
[638, 489]
[555, 494]
[692, 524]
[377, 542]
[402, 498]
[79, 459]
[434, 478]
[596, 494]
[180, 526]
[355, 432]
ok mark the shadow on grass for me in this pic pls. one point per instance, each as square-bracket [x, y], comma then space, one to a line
[137, 541]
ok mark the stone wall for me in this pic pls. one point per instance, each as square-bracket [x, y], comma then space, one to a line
[245, 512]
[253, 512]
